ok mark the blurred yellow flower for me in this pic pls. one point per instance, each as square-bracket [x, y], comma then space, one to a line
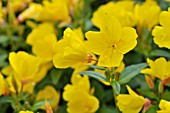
[29, 86]
[130, 103]
[26, 111]
[49, 93]
[147, 14]
[158, 68]
[71, 50]
[122, 10]
[43, 12]
[24, 65]
[164, 106]
[113, 40]
[161, 33]
[2, 86]
[1, 13]
[40, 37]
[19, 5]
[79, 92]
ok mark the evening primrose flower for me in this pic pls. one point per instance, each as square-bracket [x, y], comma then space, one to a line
[158, 68]
[122, 10]
[2, 86]
[147, 14]
[71, 50]
[164, 106]
[43, 12]
[19, 5]
[40, 37]
[26, 111]
[29, 86]
[49, 93]
[24, 65]
[130, 103]
[161, 33]
[79, 92]
[113, 40]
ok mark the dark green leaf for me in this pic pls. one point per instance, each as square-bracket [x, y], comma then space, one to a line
[148, 93]
[131, 71]
[56, 75]
[94, 74]
[160, 53]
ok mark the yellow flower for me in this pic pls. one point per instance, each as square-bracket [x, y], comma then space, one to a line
[158, 68]
[40, 37]
[161, 33]
[113, 40]
[71, 50]
[1, 14]
[49, 93]
[164, 106]
[79, 92]
[2, 86]
[26, 111]
[82, 102]
[28, 87]
[24, 65]
[32, 12]
[122, 10]
[130, 103]
[43, 12]
[29, 84]
[19, 5]
[147, 14]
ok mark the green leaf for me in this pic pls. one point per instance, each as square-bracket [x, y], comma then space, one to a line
[116, 86]
[56, 75]
[152, 109]
[160, 53]
[5, 99]
[106, 109]
[131, 71]
[39, 104]
[148, 93]
[97, 67]
[94, 74]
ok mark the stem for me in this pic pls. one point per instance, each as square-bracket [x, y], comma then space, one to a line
[115, 99]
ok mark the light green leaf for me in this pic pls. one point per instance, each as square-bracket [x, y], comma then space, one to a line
[97, 67]
[160, 53]
[116, 86]
[94, 74]
[131, 71]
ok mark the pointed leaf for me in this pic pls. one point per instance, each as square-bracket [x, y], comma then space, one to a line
[94, 74]
[131, 71]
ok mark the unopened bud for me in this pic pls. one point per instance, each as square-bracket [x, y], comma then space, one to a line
[149, 81]
[160, 88]
[147, 105]
[166, 81]
[48, 107]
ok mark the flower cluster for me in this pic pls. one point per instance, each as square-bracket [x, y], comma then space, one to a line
[55, 55]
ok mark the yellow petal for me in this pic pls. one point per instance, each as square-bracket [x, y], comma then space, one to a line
[128, 40]
[24, 65]
[2, 86]
[110, 58]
